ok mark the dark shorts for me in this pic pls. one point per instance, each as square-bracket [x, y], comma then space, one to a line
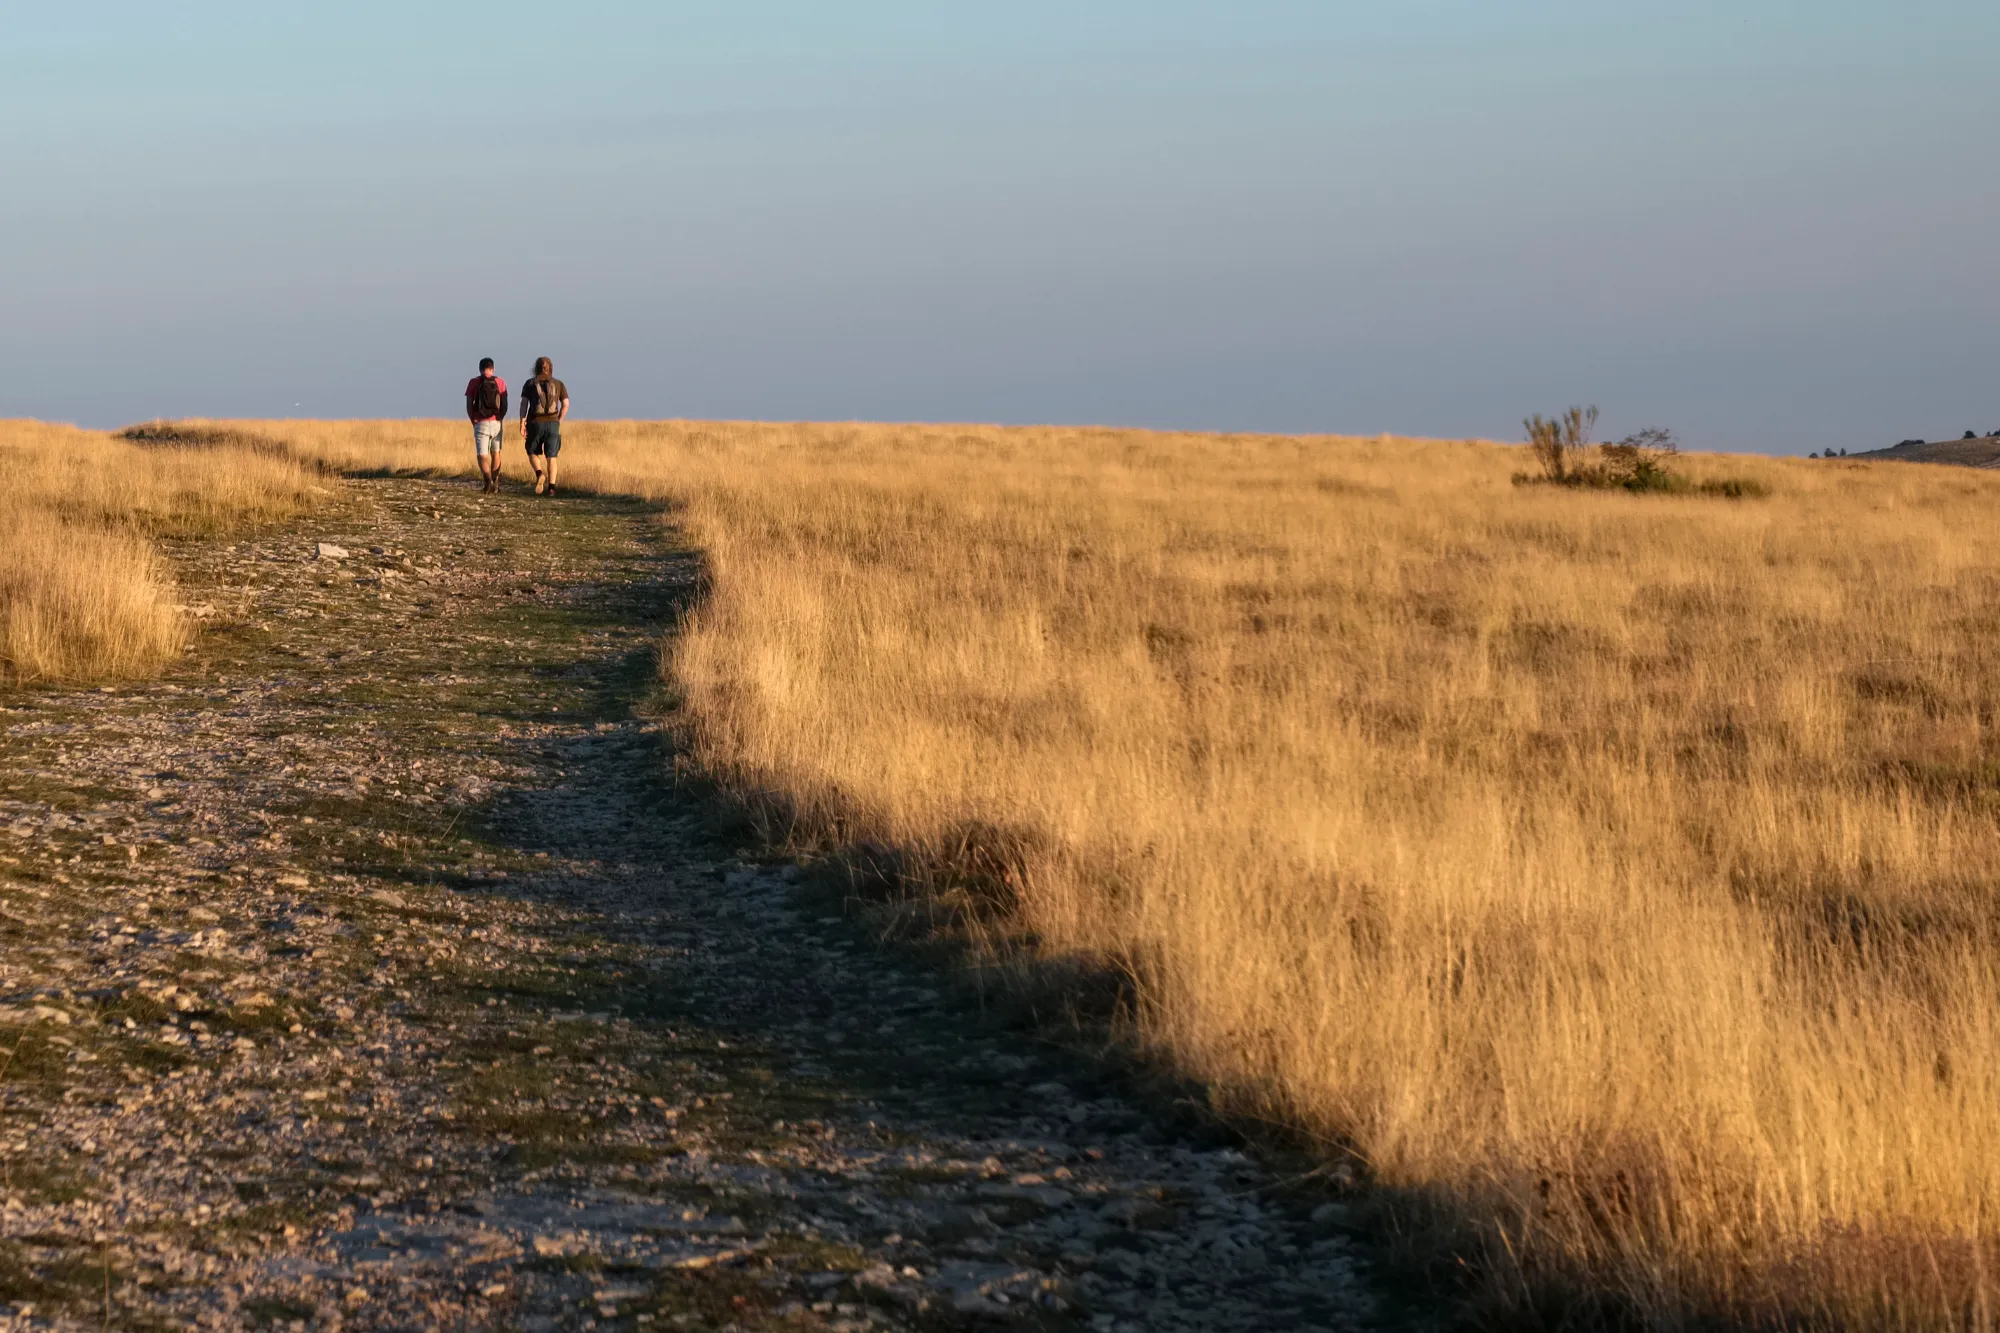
[545, 437]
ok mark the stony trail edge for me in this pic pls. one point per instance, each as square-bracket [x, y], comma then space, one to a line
[370, 972]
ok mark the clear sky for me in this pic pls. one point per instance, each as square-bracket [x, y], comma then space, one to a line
[1767, 224]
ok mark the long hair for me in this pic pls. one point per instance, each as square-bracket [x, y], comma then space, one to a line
[544, 366]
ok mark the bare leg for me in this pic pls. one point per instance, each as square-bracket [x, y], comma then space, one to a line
[486, 451]
[552, 474]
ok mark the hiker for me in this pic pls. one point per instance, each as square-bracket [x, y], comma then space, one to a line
[544, 404]
[486, 404]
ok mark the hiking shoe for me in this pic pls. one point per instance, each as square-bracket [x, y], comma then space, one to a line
[540, 485]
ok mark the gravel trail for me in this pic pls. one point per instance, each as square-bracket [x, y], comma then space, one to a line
[368, 972]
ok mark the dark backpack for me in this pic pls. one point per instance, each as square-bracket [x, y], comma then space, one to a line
[486, 398]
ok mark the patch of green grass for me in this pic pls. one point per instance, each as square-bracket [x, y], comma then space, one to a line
[61, 795]
[720, 1202]
[527, 1124]
[717, 1296]
[143, 1009]
[921, 1175]
[36, 1062]
[540, 1154]
[594, 989]
[264, 1018]
[481, 1090]
[276, 1310]
[53, 1177]
[156, 1057]
[57, 1271]
[586, 1264]
[813, 1255]
[272, 1215]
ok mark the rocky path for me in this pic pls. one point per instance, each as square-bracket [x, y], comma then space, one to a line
[368, 972]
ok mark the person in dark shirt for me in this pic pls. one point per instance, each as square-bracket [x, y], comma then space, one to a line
[544, 404]
[486, 405]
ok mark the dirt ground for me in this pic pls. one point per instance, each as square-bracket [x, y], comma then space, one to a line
[369, 971]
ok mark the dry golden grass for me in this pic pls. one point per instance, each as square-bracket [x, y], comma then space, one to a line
[83, 596]
[1613, 874]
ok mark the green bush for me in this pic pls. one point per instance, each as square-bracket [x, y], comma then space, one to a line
[1639, 462]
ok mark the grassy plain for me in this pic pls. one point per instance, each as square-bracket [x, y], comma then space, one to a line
[83, 596]
[1612, 875]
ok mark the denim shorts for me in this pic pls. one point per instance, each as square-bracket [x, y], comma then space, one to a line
[486, 437]
[545, 437]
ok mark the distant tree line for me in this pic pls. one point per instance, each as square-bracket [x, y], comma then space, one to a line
[1911, 444]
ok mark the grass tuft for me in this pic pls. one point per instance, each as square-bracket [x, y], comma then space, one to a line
[83, 596]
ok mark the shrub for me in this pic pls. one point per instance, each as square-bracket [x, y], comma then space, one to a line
[1559, 443]
[1639, 461]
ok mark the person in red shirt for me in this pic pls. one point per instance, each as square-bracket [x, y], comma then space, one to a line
[486, 405]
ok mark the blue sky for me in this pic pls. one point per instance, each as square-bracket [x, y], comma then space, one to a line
[1768, 224]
